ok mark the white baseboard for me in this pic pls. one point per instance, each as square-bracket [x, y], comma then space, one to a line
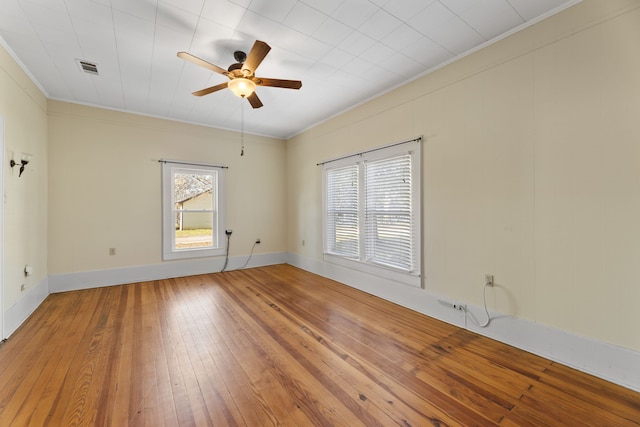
[142, 273]
[615, 364]
[24, 307]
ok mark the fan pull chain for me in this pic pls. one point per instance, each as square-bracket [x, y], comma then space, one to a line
[242, 128]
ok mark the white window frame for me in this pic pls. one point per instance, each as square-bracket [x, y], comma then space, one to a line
[169, 250]
[412, 277]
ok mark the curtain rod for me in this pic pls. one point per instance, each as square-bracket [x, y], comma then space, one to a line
[368, 151]
[192, 164]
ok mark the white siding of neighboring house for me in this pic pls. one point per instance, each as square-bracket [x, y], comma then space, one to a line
[197, 220]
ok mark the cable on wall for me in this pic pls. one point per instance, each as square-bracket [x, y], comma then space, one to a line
[226, 259]
[250, 255]
[472, 317]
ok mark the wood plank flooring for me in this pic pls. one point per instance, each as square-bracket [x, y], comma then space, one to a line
[277, 346]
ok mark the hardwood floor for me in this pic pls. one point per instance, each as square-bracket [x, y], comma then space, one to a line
[277, 346]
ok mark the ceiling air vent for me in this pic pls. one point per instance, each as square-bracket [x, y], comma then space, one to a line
[88, 67]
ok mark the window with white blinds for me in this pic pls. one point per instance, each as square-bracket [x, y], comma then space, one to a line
[372, 211]
[343, 193]
[389, 212]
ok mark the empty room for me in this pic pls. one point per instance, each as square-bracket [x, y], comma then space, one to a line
[320, 213]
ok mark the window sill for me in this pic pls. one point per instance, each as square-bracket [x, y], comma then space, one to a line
[406, 278]
[192, 253]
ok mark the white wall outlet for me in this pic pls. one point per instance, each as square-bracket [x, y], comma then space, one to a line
[488, 279]
[112, 251]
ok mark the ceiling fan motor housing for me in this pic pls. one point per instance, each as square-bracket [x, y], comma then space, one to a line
[240, 56]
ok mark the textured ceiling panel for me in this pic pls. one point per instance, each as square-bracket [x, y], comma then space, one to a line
[344, 51]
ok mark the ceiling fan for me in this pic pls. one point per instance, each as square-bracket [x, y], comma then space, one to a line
[242, 78]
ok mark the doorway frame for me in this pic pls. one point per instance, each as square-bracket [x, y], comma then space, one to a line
[3, 334]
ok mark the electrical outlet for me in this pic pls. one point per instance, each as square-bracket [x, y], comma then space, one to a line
[488, 279]
[22, 287]
[112, 251]
[228, 232]
[258, 241]
[454, 305]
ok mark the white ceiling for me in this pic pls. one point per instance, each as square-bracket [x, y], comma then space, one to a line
[344, 51]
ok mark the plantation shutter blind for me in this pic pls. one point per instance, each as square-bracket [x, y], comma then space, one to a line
[388, 212]
[343, 224]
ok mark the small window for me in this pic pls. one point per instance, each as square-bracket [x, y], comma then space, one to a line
[372, 212]
[193, 215]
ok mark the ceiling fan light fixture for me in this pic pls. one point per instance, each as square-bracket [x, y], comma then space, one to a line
[242, 87]
[242, 80]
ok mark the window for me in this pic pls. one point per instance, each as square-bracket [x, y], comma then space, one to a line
[192, 215]
[372, 212]
[343, 213]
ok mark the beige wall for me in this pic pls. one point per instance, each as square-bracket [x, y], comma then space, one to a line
[531, 171]
[24, 110]
[105, 186]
